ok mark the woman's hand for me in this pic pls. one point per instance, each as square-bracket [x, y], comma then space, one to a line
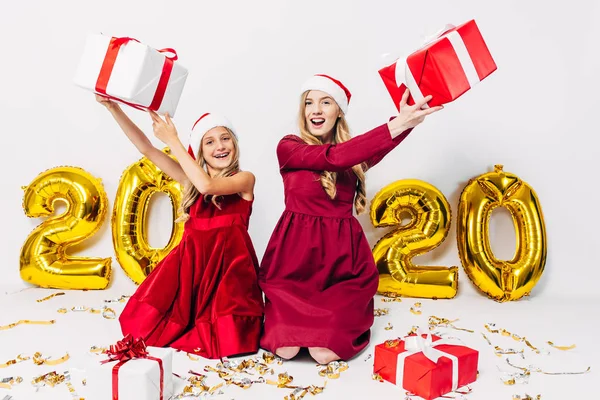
[410, 116]
[164, 130]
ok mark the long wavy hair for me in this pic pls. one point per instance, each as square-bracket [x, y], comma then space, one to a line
[191, 194]
[328, 178]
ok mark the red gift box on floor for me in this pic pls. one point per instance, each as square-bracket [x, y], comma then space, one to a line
[447, 66]
[426, 365]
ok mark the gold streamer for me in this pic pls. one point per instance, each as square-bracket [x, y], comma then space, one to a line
[51, 296]
[563, 348]
[26, 322]
[39, 360]
[535, 369]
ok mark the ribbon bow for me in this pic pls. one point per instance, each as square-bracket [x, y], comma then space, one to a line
[127, 349]
[426, 345]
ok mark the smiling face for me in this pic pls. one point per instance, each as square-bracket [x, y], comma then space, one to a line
[321, 113]
[219, 149]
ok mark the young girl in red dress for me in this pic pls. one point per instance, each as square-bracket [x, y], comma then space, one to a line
[318, 273]
[203, 297]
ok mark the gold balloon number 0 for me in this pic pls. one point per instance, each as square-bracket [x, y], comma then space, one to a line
[129, 223]
[429, 213]
[44, 260]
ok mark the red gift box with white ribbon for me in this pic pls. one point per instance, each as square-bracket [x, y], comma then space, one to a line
[426, 365]
[446, 66]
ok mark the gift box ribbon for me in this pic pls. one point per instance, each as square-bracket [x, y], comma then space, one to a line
[418, 344]
[125, 350]
[404, 76]
[109, 62]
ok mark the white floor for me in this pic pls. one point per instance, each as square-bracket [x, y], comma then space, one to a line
[562, 321]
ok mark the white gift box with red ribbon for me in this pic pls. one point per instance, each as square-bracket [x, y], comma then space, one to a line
[131, 72]
[136, 379]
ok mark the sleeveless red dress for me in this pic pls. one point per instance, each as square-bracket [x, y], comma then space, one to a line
[318, 273]
[203, 297]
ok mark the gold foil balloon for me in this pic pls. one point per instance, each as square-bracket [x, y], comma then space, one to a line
[44, 260]
[138, 183]
[429, 214]
[499, 279]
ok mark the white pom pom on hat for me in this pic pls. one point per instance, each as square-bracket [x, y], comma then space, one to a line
[204, 124]
[332, 87]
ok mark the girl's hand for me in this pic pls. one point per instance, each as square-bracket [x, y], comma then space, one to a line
[106, 102]
[164, 130]
[411, 116]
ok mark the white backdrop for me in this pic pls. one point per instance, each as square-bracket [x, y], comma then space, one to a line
[535, 114]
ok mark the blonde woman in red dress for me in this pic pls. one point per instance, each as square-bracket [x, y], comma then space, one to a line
[203, 297]
[318, 273]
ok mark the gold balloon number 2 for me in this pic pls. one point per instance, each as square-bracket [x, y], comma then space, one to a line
[429, 214]
[44, 260]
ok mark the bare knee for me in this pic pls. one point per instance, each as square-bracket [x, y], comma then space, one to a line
[322, 355]
[287, 352]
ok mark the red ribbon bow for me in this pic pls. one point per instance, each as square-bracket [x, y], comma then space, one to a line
[126, 349]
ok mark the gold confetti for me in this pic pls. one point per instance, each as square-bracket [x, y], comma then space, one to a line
[333, 369]
[51, 379]
[18, 359]
[283, 380]
[563, 348]
[390, 297]
[377, 377]
[121, 299]
[506, 333]
[437, 322]
[51, 296]
[389, 327]
[98, 350]
[527, 397]
[107, 312]
[378, 312]
[26, 322]
[416, 309]
[8, 383]
[500, 352]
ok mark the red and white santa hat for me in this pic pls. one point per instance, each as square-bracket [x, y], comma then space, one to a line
[332, 87]
[204, 124]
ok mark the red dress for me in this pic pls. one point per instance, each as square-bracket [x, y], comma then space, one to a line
[318, 272]
[203, 297]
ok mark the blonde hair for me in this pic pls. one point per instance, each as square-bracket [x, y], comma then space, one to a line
[191, 193]
[328, 178]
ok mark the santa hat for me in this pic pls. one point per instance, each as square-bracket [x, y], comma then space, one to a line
[332, 87]
[205, 123]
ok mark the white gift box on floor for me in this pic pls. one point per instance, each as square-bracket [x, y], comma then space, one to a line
[138, 378]
[131, 71]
